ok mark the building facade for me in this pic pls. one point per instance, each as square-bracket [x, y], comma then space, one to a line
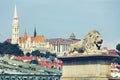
[60, 45]
[32, 43]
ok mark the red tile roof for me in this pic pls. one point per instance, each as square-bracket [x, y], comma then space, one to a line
[113, 52]
[39, 38]
[60, 40]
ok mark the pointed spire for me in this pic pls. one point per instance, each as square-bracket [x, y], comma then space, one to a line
[15, 28]
[15, 12]
[35, 33]
[25, 33]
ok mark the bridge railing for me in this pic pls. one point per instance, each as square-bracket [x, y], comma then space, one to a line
[28, 77]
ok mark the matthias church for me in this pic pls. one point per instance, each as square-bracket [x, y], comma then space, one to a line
[38, 42]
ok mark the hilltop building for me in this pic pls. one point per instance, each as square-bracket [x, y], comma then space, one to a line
[31, 43]
[60, 45]
[38, 42]
[27, 43]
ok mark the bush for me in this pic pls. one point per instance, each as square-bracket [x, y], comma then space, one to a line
[34, 62]
[116, 60]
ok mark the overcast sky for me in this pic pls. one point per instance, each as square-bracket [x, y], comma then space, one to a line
[59, 18]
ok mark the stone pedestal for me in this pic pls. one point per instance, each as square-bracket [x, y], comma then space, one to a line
[86, 67]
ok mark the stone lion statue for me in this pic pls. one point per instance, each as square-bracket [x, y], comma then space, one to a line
[92, 43]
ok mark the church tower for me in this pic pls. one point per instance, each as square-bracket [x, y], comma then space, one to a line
[15, 28]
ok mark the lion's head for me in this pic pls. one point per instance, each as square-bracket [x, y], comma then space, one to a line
[92, 41]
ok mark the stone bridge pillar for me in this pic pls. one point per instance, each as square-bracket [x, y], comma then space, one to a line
[95, 67]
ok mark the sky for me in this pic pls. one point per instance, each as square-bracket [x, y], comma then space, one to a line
[59, 18]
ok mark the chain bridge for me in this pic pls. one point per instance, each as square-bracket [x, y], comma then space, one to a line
[17, 70]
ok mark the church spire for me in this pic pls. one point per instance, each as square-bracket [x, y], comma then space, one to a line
[35, 33]
[25, 33]
[15, 28]
[15, 12]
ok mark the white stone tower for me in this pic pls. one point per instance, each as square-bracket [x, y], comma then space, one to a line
[15, 28]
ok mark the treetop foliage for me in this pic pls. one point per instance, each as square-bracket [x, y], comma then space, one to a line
[118, 47]
[12, 49]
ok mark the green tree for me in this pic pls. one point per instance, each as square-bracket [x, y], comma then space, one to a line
[1, 48]
[12, 49]
[28, 54]
[116, 60]
[47, 55]
[35, 53]
[34, 62]
[42, 55]
[118, 47]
